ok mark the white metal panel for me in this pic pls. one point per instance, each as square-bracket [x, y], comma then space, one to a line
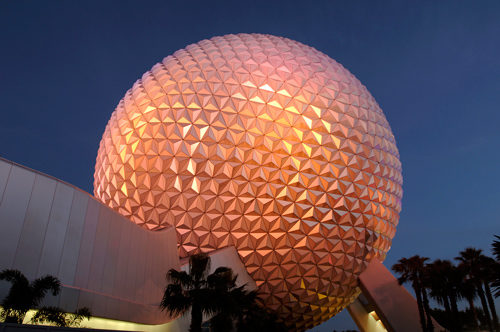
[12, 212]
[56, 230]
[5, 168]
[120, 287]
[87, 244]
[111, 261]
[68, 299]
[87, 299]
[99, 303]
[131, 266]
[74, 232]
[167, 244]
[113, 307]
[148, 269]
[35, 225]
[140, 266]
[100, 244]
[156, 261]
[119, 266]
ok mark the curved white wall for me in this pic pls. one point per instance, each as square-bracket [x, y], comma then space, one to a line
[104, 261]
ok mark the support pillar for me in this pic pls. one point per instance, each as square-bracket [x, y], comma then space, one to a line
[384, 305]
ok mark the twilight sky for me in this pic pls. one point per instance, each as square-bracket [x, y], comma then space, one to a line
[433, 67]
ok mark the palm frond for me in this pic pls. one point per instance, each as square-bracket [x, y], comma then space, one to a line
[51, 315]
[14, 277]
[496, 269]
[469, 255]
[215, 295]
[496, 248]
[222, 279]
[402, 268]
[179, 278]
[174, 300]
[42, 285]
[75, 319]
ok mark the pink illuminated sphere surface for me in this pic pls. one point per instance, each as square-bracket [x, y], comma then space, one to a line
[268, 145]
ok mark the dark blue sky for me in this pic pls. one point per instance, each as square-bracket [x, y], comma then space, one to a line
[433, 66]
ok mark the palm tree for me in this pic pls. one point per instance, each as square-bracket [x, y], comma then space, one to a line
[412, 270]
[56, 316]
[496, 279]
[256, 318]
[234, 306]
[215, 294]
[240, 311]
[468, 291]
[24, 295]
[472, 262]
[443, 283]
[489, 265]
[189, 290]
[232, 301]
[456, 279]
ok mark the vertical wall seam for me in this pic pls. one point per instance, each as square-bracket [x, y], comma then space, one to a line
[66, 232]
[146, 267]
[6, 182]
[93, 247]
[24, 219]
[46, 228]
[106, 253]
[81, 245]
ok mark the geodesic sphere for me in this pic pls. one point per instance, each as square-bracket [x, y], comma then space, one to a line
[265, 144]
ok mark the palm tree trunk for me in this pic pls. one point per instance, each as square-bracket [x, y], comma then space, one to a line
[480, 292]
[474, 312]
[420, 308]
[430, 326]
[196, 318]
[457, 324]
[449, 314]
[491, 304]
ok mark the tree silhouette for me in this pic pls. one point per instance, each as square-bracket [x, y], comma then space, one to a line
[473, 262]
[239, 311]
[476, 276]
[24, 295]
[56, 316]
[443, 282]
[468, 291]
[216, 295]
[413, 270]
[232, 301]
[496, 279]
[488, 267]
[189, 290]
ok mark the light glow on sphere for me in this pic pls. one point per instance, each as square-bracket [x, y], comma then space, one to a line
[268, 145]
